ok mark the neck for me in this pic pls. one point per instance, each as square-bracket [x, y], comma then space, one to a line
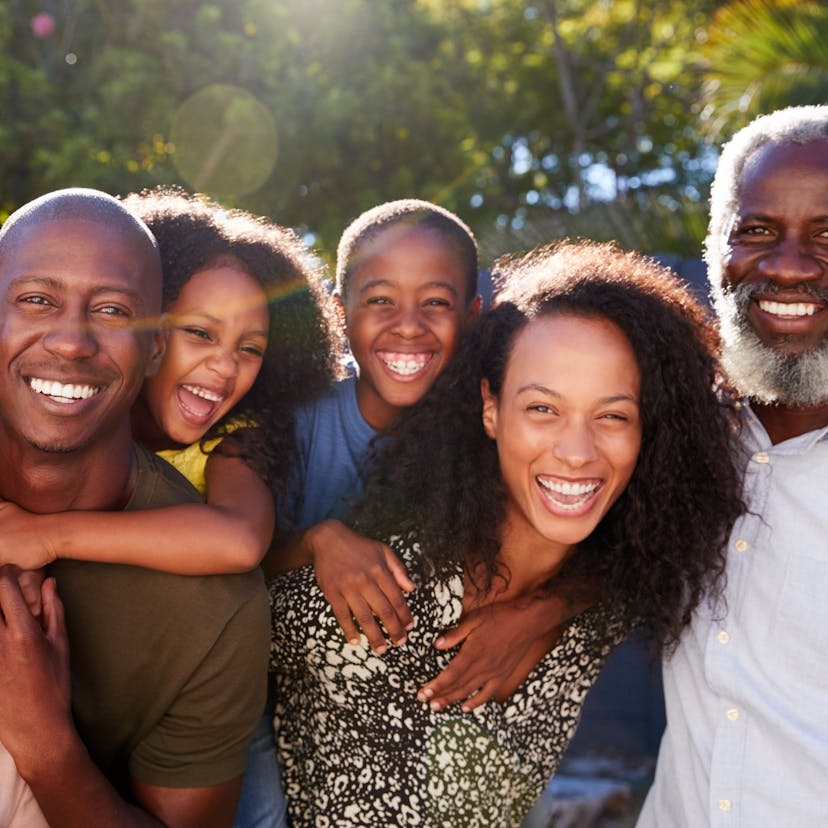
[531, 560]
[94, 478]
[784, 422]
[378, 413]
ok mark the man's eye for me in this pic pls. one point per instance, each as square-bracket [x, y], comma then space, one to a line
[34, 300]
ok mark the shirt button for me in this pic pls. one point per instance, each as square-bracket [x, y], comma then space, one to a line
[761, 457]
[741, 545]
[722, 637]
[733, 714]
[725, 804]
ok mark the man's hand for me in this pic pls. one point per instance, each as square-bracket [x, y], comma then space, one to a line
[495, 641]
[34, 673]
[363, 580]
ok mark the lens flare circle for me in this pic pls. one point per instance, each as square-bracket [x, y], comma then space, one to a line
[224, 140]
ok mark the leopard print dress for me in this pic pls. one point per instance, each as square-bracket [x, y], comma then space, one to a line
[359, 750]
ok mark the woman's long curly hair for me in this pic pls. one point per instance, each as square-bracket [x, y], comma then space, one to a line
[194, 233]
[660, 547]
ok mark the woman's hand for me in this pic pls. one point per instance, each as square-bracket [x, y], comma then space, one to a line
[363, 581]
[24, 541]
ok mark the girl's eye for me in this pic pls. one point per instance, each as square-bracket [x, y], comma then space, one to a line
[197, 332]
[253, 350]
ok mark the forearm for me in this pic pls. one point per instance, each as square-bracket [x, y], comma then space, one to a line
[73, 793]
[290, 550]
[189, 539]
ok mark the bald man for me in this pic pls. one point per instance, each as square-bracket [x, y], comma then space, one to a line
[167, 672]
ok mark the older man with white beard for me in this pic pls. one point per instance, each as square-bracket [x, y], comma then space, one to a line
[747, 690]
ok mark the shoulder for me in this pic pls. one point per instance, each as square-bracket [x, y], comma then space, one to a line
[158, 483]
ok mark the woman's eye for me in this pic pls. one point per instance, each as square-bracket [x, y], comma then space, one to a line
[253, 350]
[197, 332]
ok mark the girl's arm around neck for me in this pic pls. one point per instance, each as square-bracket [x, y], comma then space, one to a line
[230, 533]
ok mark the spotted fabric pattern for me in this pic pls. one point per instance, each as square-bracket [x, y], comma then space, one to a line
[359, 750]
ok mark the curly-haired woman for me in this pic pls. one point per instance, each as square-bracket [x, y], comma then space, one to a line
[580, 442]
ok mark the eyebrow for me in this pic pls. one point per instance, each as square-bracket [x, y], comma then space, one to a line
[183, 318]
[436, 283]
[543, 389]
[55, 283]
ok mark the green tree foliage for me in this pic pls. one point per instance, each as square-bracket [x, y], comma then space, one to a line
[543, 113]
[761, 55]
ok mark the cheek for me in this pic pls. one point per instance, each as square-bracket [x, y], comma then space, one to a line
[244, 382]
[624, 457]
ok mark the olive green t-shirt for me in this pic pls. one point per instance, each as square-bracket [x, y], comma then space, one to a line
[168, 671]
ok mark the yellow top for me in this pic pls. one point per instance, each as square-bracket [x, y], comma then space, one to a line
[191, 461]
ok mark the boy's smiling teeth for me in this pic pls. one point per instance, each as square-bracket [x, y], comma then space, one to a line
[405, 364]
[63, 391]
[788, 308]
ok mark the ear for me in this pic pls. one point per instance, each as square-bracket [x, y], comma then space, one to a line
[489, 409]
[158, 345]
[473, 310]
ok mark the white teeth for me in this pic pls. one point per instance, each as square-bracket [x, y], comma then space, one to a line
[406, 367]
[58, 390]
[203, 393]
[577, 489]
[788, 308]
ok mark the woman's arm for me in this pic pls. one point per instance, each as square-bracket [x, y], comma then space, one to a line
[229, 533]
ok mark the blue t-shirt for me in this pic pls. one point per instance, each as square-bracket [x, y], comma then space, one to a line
[333, 440]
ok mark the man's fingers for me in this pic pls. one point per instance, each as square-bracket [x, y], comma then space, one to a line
[13, 605]
[457, 635]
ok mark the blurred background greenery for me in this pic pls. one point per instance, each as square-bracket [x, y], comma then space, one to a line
[532, 120]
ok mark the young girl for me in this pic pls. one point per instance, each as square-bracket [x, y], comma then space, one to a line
[249, 339]
[576, 439]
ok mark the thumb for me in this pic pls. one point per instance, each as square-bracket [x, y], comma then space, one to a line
[397, 569]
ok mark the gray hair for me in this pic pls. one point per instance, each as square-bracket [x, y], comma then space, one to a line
[793, 125]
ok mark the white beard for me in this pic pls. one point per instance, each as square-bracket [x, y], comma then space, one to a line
[760, 372]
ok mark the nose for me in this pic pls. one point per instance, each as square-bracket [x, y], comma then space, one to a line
[575, 445]
[408, 322]
[789, 263]
[224, 363]
[71, 339]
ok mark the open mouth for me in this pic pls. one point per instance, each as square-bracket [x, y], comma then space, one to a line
[61, 392]
[197, 403]
[405, 366]
[568, 495]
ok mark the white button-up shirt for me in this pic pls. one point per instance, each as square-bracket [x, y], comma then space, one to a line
[746, 692]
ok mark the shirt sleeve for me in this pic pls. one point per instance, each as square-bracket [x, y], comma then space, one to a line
[202, 739]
